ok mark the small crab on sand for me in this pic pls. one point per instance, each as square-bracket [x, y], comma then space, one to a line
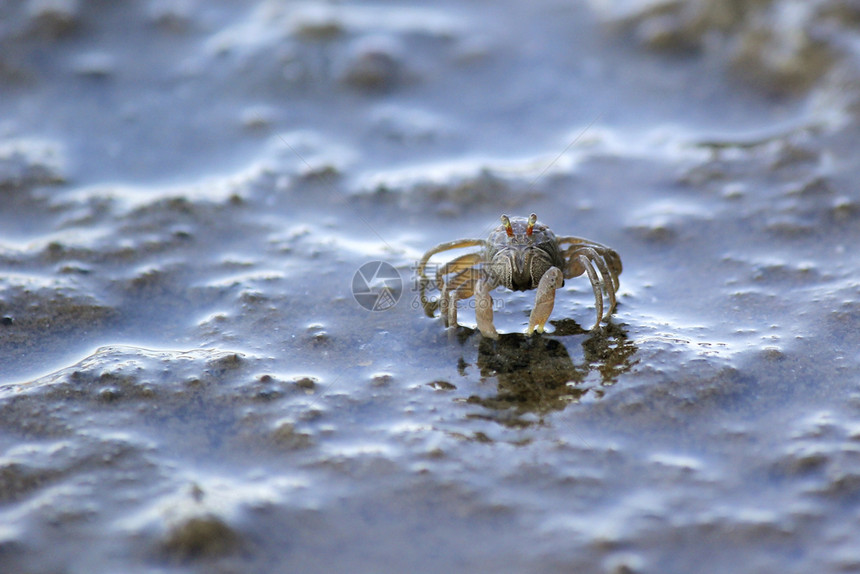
[520, 254]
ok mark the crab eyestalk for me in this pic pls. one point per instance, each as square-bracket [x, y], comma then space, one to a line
[531, 224]
[507, 223]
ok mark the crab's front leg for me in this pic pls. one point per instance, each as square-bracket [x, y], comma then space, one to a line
[484, 308]
[545, 299]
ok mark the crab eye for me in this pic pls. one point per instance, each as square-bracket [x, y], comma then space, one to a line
[507, 223]
[531, 224]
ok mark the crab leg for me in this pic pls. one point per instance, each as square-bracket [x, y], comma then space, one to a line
[445, 247]
[607, 253]
[429, 305]
[449, 311]
[463, 280]
[455, 266]
[583, 257]
[613, 285]
[597, 286]
[598, 261]
[545, 299]
[461, 286]
[573, 267]
[578, 241]
[613, 260]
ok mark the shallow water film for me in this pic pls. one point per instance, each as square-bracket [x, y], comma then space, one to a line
[213, 356]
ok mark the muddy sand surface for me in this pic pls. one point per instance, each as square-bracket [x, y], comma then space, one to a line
[187, 383]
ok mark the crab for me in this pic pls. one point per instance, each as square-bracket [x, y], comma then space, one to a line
[520, 254]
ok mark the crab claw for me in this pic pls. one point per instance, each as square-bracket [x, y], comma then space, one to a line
[545, 299]
[484, 310]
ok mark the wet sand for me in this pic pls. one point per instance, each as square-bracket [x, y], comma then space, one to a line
[187, 383]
